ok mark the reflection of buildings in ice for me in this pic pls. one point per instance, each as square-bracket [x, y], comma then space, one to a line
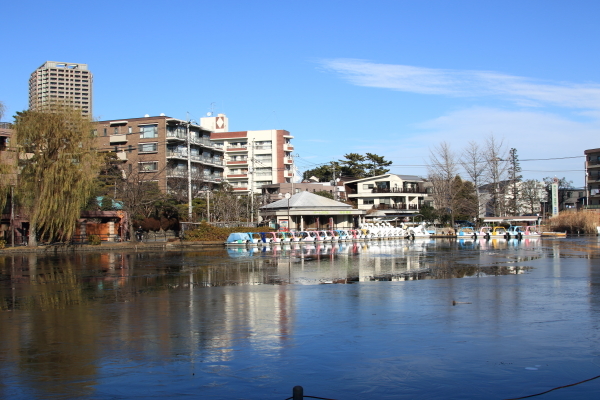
[396, 260]
[263, 318]
[393, 258]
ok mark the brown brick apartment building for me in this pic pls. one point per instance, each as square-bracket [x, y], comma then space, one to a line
[156, 149]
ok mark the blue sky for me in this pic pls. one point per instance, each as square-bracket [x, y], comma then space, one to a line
[394, 78]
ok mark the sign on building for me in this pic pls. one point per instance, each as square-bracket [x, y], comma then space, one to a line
[555, 197]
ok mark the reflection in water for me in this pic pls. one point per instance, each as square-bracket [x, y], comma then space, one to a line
[113, 325]
[33, 282]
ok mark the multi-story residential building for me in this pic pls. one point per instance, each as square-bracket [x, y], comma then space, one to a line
[63, 82]
[252, 158]
[6, 132]
[156, 149]
[592, 177]
[8, 177]
[390, 193]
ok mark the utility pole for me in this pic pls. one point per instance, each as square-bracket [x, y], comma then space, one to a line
[189, 170]
[12, 216]
[251, 180]
[334, 183]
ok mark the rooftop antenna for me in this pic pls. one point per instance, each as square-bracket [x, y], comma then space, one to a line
[212, 110]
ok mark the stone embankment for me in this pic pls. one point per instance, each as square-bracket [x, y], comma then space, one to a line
[110, 246]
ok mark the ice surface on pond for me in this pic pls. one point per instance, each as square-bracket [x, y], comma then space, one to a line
[208, 325]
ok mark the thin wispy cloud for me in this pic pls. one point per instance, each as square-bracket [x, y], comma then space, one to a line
[520, 90]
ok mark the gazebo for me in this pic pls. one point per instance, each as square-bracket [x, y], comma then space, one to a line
[306, 210]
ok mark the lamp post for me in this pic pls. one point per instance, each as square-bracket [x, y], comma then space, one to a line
[287, 196]
[208, 206]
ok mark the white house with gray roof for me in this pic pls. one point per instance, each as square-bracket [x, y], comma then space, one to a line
[394, 195]
[306, 210]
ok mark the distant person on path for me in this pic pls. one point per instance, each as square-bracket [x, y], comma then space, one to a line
[139, 234]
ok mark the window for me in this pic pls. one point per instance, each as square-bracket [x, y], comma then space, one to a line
[105, 132]
[368, 186]
[148, 131]
[148, 147]
[368, 201]
[129, 130]
[115, 130]
[149, 166]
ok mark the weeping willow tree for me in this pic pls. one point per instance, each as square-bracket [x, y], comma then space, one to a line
[59, 164]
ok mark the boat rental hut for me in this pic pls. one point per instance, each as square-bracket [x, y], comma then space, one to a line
[307, 211]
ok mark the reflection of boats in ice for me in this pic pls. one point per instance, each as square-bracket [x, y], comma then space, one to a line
[554, 234]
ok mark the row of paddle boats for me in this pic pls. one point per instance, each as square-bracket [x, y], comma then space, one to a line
[371, 232]
[338, 235]
[499, 232]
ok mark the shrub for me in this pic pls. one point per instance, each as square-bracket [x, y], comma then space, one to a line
[208, 233]
[94, 239]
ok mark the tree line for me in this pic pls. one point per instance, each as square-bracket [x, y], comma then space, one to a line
[353, 166]
[492, 184]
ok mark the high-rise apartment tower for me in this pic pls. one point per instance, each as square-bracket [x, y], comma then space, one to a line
[62, 82]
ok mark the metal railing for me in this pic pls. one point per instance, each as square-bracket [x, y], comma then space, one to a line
[399, 190]
[399, 206]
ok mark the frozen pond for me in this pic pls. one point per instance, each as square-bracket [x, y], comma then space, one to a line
[399, 319]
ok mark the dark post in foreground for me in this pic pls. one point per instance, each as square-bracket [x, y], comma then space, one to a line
[298, 393]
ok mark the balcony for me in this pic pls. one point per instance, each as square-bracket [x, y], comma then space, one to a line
[213, 161]
[237, 162]
[262, 148]
[176, 135]
[177, 173]
[288, 147]
[237, 176]
[201, 141]
[288, 161]
[114, 139]
[288, 174]
[176, 154]
[121, 155]
[237, 148]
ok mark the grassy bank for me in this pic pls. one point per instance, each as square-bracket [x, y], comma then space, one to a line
[575, 222]
[205, 232]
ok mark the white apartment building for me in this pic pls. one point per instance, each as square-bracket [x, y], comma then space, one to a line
[252, 158]
[390, 193]
[61, 82]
